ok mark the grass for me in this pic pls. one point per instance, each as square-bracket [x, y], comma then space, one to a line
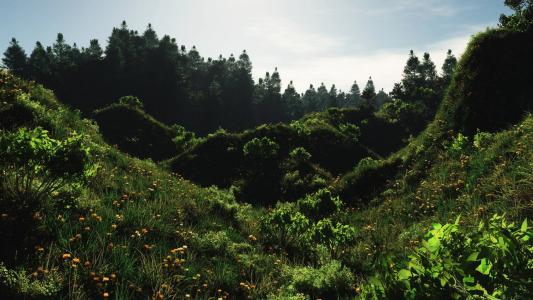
[139, 231]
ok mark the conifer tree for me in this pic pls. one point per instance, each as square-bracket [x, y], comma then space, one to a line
[15, 58]
[39, 63]
[333, 97]
[292, 104]
[353, 99]
[323, 97]
[369, 92]
[448, 67]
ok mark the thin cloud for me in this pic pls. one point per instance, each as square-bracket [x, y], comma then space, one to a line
[385, 67]
[288, 37]
[426, 7]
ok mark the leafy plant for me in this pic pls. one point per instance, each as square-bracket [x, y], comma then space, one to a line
[131, 101]
[458, 145]
[35, 165]
[495, 261]
[261, 149]
[320, 204]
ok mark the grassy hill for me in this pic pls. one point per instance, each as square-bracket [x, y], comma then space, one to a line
[114, 226]
[135, 132]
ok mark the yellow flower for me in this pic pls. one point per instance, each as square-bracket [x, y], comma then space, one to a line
[66, 256]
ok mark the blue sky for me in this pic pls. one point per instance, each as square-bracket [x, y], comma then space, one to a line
[310, 41]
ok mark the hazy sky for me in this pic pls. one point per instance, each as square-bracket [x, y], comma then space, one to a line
[310, 41]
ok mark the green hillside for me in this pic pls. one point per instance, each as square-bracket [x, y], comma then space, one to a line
[135, 132]
[340, 204]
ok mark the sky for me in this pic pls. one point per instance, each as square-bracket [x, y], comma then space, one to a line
[309, 41]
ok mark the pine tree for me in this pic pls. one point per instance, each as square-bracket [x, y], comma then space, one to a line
[15, 59]
[448, 67]
[323, 97]
[61, 51]
[310, 99]
[353, 99]
[428, 71]
[333, 97]
[150, 37]
[292, 104]
[39, 63]
[369, 92]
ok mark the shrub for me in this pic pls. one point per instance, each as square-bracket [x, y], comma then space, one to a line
[261, 149]
[183, 139]
[482, 140]
[285, 225]
[320, 204]
[131, 101]
[458, 145]
[327, 281]
[19, 284]
[331, 234]
[35, 165]
[300, 155]
[351, 131]
[495, 262]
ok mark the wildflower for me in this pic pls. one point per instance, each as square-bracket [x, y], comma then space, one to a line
[76, 260]
[114, 226]
[66, 256]
[82, 219]
[105, 295]
[105, 279]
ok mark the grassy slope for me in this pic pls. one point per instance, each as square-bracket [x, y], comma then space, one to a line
[135, 132]
[155, 211]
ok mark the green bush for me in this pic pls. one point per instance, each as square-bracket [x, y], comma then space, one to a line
[261, 149]
[330, 280]
[131, 101]
[458, 145]
[300, 155]
[320, 204]
[493, 262]
[351, 131]
[35, 165]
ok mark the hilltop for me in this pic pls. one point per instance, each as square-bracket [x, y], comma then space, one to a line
[342, 203]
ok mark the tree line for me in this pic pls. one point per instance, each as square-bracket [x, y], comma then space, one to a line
[179, 86]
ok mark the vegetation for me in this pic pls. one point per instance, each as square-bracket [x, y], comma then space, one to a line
[361, 203]
[200, 94]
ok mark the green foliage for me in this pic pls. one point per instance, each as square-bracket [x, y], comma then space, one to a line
[351, 131]
[137, 133]
[330, 280]
[522, 19]
[299, 154]
[495, 261]
[308, 222]
[320, 204]
[35, 165]
[259, 149]
[21, 284]
[184, 139]
[482, 140]
[458, 145]
[131, 101]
